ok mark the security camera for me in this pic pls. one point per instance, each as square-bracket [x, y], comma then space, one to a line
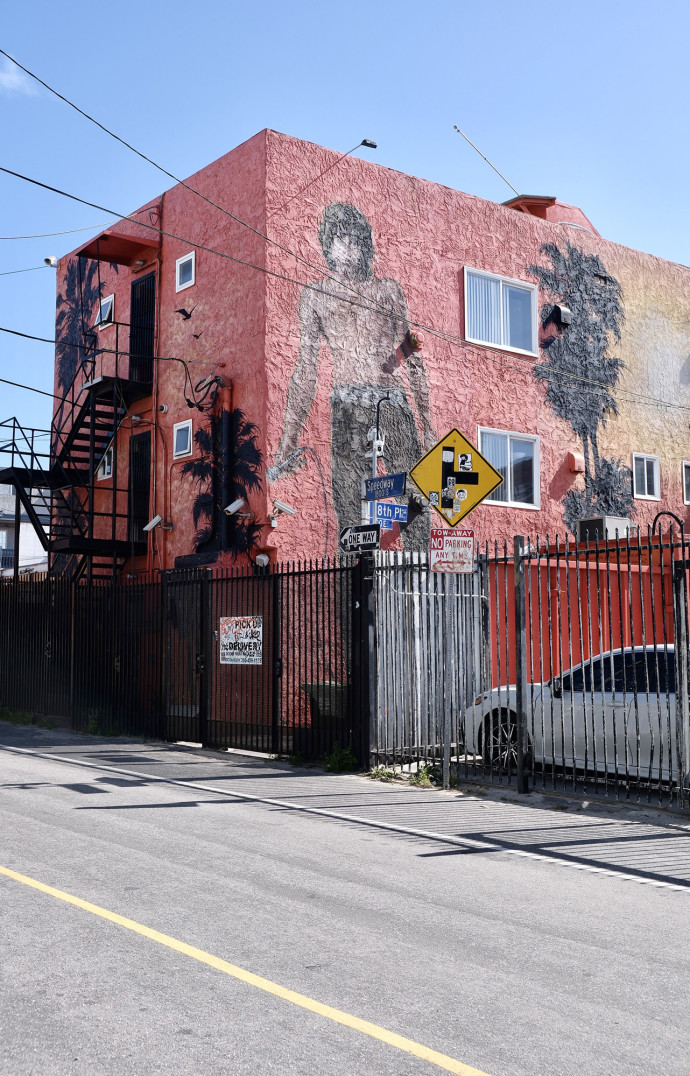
[50, 260]
[234, 507]
[153, 523]
[278, 506]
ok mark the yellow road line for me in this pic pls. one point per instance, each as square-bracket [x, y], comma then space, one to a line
[442, 1061]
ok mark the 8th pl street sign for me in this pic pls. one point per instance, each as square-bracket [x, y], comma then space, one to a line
[455, 477]
[391, 513]
[360, 539]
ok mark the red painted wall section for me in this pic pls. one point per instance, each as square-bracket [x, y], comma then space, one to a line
[424, 236]
[305, 350]
[224, 335]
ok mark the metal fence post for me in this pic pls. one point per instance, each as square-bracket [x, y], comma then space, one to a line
[364, 682]
[163, 657]
[522, 741]
[450, 658]
[680, 607]
[72, 651]
[203, 656]
[276, 653]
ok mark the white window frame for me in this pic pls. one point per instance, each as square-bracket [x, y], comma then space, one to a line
[105, 467]
[178, 426]
[191, 257]
[646, 456]
[536, 469]
[534, 291]
[103, 323]
[686, 463]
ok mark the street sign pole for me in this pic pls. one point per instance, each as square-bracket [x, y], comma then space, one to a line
[521, 737]
[447, 695]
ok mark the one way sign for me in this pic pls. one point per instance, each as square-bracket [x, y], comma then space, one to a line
[359, 539]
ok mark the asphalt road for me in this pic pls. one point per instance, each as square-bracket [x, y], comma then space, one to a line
[511, 937]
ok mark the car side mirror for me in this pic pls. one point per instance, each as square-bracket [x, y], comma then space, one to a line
[556, 687]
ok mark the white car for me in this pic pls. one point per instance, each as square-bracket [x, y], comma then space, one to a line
[615, 713]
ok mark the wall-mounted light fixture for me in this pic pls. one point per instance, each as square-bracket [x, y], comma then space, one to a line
[563, 314]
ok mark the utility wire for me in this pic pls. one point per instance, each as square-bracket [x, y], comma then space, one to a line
[31, 269]
[183, 183]
[204, 389]
[165, 171]
[499, 357]
[440, 334]
[364, 142]
[68, 231]
[30, 388]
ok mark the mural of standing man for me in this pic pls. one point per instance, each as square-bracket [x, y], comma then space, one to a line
[363, 320]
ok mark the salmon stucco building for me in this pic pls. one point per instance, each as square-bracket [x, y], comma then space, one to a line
[229, 343]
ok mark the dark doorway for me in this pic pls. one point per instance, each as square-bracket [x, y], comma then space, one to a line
[142, 329]
[139, 484]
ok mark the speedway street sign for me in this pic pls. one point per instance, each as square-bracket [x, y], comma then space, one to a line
[385, 485]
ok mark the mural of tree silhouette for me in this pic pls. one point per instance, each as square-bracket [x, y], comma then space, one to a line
[75, 316]
[581, 376]
[237, 470]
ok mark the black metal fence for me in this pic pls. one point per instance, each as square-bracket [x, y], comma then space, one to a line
[550, 666]
[272, 661]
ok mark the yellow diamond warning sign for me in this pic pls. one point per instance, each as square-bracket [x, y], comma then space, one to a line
[455, 477]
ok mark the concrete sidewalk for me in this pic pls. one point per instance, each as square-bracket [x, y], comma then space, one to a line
[631, 842]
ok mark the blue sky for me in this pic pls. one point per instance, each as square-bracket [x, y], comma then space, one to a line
[588, 102]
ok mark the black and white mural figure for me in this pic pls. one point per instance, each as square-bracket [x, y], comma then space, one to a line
[581, 376]
[363, 320]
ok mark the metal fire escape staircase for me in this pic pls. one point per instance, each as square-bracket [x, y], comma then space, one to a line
[91, 532]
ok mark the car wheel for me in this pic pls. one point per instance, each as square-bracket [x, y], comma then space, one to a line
[499, 741]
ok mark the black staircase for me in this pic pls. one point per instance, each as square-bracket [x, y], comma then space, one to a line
[61, 474]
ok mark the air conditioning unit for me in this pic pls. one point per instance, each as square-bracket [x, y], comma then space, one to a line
[602, 528]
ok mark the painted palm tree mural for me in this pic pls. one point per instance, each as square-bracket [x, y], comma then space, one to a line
[581, 376]
[229, 466]
[75, 316]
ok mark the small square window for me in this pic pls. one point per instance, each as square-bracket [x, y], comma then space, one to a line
[105, 467]
[516, 457]
[182, 439]
[185, 271]
[106, 312]
[500, 312]
[646, 477]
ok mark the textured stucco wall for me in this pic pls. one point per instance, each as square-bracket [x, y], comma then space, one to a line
[256, 330]
[224, 335]
[424, 235]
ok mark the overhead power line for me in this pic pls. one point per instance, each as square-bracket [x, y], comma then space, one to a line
[67, 231]
[447, 337]
[171, 175]
[31, 269]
